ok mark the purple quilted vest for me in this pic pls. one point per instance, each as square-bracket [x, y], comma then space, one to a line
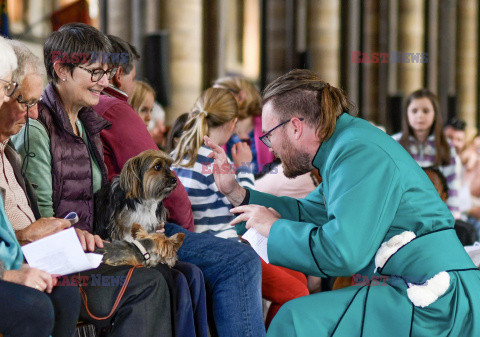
[72, 180]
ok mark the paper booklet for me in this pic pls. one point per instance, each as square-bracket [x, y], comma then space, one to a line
[474, 252]
[60, 254]
[258, 243]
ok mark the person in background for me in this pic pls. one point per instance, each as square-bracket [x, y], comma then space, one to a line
[157, 127]
[455, 132]
[175, 132]
[423, 137]
[142, 100]
[249, 125]
[465, 231]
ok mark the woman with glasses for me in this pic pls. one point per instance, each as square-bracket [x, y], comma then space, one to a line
[65, 160]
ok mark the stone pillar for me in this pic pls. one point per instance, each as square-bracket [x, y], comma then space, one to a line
[275, 39]
[152, 16]
[324, 38]
[183, 20]
[411, 40]
[251, 39]
[432, 44]
[351, 22]
[369, 108]
[467, 61]
[119, 18]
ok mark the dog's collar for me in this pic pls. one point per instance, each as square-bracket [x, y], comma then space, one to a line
[144, 252]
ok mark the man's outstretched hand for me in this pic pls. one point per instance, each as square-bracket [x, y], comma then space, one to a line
[224, 174]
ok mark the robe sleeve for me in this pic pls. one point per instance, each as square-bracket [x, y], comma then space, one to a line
[364, 192]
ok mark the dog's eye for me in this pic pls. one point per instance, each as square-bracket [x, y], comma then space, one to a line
[157, 167]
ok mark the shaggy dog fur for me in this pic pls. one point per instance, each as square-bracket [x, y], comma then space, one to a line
[135, 196]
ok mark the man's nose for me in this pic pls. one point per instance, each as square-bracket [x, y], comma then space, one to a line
[33, 112]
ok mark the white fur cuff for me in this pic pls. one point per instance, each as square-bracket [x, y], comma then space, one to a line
[425, 294]
[420, 295]
[391, 246]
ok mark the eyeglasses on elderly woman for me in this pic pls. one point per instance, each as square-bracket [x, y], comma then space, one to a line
[10, 87]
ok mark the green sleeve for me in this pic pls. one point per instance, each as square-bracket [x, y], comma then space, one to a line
[310, 209]
[39, 169]
[361, 201]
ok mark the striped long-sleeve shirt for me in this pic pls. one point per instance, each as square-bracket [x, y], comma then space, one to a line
[424, 155]
[211, 209]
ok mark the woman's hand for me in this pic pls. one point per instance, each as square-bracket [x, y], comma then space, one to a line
[224, 175]
[31, 277]
[41, 228]
[89, 241]
[241, 154]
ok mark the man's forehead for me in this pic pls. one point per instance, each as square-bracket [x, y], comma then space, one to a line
[268, 117]
[31, 87]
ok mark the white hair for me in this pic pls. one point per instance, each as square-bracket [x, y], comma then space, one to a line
[8, 60]
[28, 62]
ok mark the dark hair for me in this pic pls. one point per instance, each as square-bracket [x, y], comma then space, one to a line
[442, 153]
[302, 93]
[175, 132]
[123, 47]
[440, 176]
[457, 124]
[74, 44]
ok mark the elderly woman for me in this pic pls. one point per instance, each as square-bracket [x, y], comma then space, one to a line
[29, 305]
[65, 160]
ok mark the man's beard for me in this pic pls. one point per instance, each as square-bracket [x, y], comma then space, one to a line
[295, 163]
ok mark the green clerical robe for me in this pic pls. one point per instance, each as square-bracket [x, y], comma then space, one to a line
[372, 190]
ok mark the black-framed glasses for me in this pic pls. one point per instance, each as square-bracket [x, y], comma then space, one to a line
[10, 87]
[97, 74]
[266, 137]
[28, 104]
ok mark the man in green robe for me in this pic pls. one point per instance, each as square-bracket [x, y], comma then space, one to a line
[376, 215]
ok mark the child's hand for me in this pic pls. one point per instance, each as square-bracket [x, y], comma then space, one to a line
[241, 154]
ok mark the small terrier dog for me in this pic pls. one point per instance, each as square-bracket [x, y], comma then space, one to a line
[154, 249]
[135, 196]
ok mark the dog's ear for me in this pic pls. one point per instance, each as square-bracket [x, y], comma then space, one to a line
[177, 239]
[138, 231]
[130, 180]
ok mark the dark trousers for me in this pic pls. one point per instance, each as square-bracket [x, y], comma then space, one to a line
[25, 311]
[144, 310]
[191, 314]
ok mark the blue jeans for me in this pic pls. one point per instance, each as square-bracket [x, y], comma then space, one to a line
[233, 280]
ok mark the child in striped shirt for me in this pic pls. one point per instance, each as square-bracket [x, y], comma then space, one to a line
[214, 114]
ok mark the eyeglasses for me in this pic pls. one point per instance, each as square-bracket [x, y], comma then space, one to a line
[28, 104]
[10, 87]
[97, 74]
[266, 137]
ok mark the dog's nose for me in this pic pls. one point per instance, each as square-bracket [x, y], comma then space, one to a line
[173, 180]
